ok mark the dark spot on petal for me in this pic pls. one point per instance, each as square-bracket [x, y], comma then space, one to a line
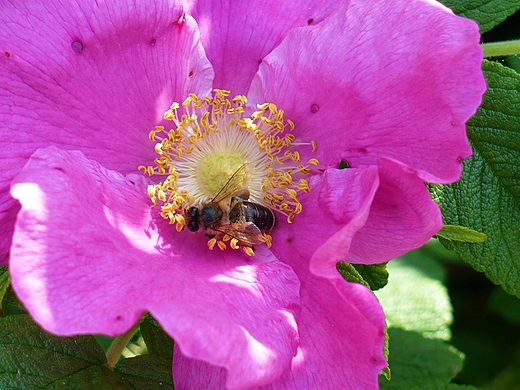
[59, 169]
[152, 42]
[310, 20]
[362, 150]
[190, 74]
[394, 206]
[315, 108]
[119, 318]
[259, 62]
[7, 54]
[77, 46]
[460, 159]
[289, 239]
[452, 123]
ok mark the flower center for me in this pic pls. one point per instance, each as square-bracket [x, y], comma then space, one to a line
[226, 173]
[217, 168]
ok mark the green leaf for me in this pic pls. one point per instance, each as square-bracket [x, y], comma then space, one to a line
[31, 359]
[487, 13]
[157, 341]
[11, 304]
[487, 197]
[89, 378]
[417, 362]
[386, 353]
[147, 371]
[461, 233]
[415, 298]
[152, 371]
[450, 386]
[374, 276]
[4, 284]
[495, 130]
[350, 274]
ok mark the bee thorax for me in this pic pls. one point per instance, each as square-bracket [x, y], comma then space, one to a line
[210, 215]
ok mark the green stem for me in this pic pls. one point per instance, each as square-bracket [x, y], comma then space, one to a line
[501, 49]
[118, 344]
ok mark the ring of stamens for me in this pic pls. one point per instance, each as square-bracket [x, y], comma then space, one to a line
[211, 139]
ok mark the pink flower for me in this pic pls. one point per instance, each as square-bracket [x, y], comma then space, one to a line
[387, 86]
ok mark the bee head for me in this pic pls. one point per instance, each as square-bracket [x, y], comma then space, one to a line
[192, 218]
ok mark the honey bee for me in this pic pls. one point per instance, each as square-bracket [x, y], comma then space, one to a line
[231, 213]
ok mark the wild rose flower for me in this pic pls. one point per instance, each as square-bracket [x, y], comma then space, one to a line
[386, 86]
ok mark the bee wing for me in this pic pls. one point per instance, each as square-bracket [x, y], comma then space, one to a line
[246, 233]
[233, 184]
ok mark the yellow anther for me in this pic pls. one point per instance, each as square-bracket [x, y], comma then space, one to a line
[303, 185]
[267, 239]
[211, 243]
[221, 245]
[169, 115]
[292, 193]
[186, 102]
[234, 243]
[180, 222]
[313, 161]
[249, 251]
[161, 196]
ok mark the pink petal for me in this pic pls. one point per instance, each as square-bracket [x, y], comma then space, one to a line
[8, 210]
[336, 208]
[341, 329]
[88, 257]
[238, 34]
[360, 215]
[341, 336]
[390, 78]
[91, 77]
[402, 217]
